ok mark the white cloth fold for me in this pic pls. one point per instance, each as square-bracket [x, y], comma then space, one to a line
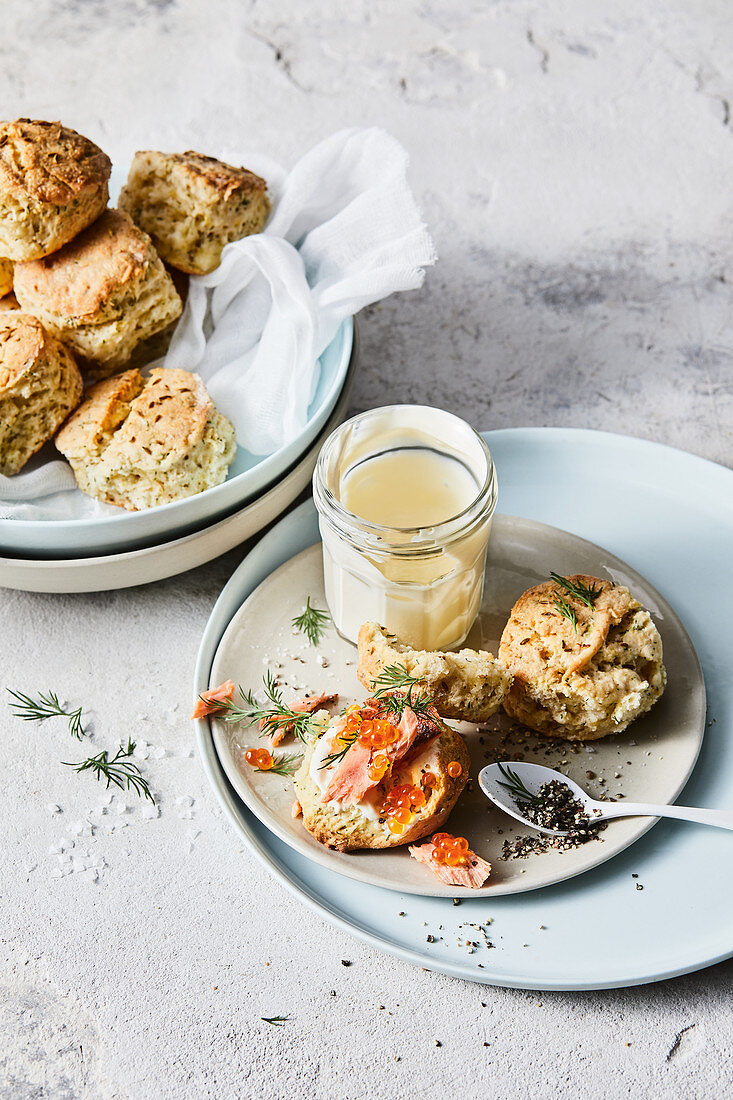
[344, 232]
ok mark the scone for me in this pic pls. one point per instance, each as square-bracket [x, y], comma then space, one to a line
[53, 184]
[103, 294]
[40, 384]
[584, 673]
[192, 205]
[137, 442]
[468, 685]
[346, 809]
[6, 277]
[9, 304]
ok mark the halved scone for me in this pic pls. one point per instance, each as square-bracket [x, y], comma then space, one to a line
[583, 667]
[348, 823]
[469, 685]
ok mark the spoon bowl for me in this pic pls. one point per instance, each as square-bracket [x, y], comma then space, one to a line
[496, 780]
[504, 784]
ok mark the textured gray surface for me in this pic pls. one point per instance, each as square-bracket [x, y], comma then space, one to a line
[573, 163]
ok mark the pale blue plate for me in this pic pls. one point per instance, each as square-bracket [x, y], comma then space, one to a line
[670, 515]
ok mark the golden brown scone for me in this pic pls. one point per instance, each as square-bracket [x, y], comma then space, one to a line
[468, 685]
[587, 682]
[6, 277]
[103, 294]
[347, 828]
[39, 386]
[53, 184]
[137, 442]
[192, 205]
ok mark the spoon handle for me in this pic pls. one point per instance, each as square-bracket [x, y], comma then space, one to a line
[722, 818]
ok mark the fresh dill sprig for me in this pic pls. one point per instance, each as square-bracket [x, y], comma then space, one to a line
[277, 1021]
[276, 717]
[119, 770]
[587, 594]
[516, 788]
[312, 622]
[396, 678]
[286, 764]
[335, 757]
[45, 706]
[566, 611]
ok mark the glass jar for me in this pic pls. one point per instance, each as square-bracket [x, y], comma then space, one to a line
[423, 584]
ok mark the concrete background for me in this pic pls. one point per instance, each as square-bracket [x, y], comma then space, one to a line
[573, 162]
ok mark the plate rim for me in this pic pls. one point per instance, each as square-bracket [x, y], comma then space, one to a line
[320, 856]
[240, 815]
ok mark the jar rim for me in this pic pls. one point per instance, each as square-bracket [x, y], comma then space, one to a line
[484, 501]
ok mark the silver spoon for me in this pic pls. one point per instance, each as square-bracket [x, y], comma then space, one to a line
[532, 776]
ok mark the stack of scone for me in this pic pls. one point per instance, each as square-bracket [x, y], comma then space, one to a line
[85, 294]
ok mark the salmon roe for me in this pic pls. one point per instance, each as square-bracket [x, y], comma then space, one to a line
[429, 780]
[377, 734]
[378, 766]
[450, 850]
[259, 758]
[400, 805]
[454, 769]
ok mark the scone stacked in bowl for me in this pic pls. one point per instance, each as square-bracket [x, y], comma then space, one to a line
[85, 295]
[102, 294]
[138, 442]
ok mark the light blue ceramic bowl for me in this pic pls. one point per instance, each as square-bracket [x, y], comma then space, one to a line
[249, 475]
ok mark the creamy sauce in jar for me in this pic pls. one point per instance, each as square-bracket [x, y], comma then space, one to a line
[408, 487]
[405, 497]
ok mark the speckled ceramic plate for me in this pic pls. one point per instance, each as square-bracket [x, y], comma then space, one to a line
[660, 908]
[649, 763]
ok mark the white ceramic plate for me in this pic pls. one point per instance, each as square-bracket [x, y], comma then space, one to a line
[671, 514]
[168, 559]
[649, 763]
[248, 476]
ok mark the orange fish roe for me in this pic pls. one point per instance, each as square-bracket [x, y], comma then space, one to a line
[377, 734]
[374, 733]
[450, 850]
[378, 766]
[428, 780]
[454, 769]
[400, 805]
[259, 758]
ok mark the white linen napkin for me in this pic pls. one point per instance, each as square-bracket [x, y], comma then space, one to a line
[344, 232]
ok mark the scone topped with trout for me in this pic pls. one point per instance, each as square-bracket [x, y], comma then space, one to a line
[192, 205]
[586, 658]
[102, 294]
[53, 184]
[385, 773]
[469, 685]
